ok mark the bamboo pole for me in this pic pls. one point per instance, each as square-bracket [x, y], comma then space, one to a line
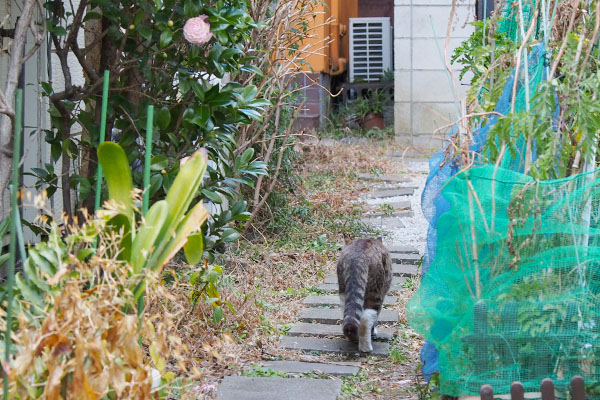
[525, 38]
[148, 157]
[10, 280]
[102, 137]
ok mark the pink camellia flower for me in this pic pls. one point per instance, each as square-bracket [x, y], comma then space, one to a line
[197, 30]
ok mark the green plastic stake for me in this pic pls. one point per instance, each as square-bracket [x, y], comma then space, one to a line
[102, 137]
[10, 281]
[148, 157]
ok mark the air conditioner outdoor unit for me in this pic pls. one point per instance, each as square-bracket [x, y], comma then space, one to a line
[370, 48]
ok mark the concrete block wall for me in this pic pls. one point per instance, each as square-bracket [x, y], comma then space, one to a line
[423, 98]
[316, 100]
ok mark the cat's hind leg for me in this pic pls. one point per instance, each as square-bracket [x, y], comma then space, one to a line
[368, 319]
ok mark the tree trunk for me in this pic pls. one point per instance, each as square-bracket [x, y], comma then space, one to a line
[89, 160]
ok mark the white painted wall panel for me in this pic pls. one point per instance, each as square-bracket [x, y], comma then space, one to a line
[424, 100]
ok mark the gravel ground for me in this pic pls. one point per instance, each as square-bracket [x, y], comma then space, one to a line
[414, 231]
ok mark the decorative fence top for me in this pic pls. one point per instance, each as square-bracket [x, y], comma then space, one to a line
[517, 391]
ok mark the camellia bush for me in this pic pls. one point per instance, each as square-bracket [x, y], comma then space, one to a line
[180, 57]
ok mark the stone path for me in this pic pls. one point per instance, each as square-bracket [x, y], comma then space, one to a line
[319, 331]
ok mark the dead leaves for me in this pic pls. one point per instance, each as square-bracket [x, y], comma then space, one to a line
[87, 346]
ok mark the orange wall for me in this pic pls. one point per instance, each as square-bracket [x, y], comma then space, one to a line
[331, 58]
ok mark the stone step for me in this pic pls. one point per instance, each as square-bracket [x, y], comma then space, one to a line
[255, 388]
[420, 155]
[395, 214]
[406, 270]
[388, 186]
[320, 345]
[326, 330]
[394, 205]
[412, 159]
[334, 316]
[334, 300]
[333, 287]
[381, 194]
[405, 258]
[382, 178]
[334, 279]
[303, 367]
[401, 248]
[384, 222]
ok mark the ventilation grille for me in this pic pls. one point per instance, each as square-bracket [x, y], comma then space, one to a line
[370, 48]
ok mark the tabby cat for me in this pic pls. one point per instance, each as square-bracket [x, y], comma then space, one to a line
[364, 272]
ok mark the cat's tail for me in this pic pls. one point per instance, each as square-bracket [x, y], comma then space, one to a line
[355, 298]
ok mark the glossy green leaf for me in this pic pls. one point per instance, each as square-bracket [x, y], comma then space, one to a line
[252, 68]
[218, 315]
[166, 37]
[212, 196]
[145, 32]
[145, 240]
[230, 235]
[163, 118]
[118, 176]
[194, 249]
[28, 293]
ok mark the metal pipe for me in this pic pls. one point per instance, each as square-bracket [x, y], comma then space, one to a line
[102, 137]
[147, 158]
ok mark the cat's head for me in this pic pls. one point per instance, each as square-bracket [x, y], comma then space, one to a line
[347, 238]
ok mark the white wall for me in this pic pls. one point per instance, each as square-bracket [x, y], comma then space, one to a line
[36, 152]
[424, 100]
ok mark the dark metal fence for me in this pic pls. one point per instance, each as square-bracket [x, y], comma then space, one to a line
[517, 391]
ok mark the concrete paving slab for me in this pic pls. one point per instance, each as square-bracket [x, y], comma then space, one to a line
[395, 214]
[406, 270]
[333, 287]
[393, 205]
[380, 194]
[401, 248]
[334, 300]
[411, 154]
[329, 346]
[334, 316]
[384, 222]
[255, 388]
[382, 178]
[326, 330]
[396, 280]
[405, 258]
[302, 367]
[414, 159]
[387, 186]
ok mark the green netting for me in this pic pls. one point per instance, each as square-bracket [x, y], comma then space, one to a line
[509, 18]
[529, 80]
[512, 292]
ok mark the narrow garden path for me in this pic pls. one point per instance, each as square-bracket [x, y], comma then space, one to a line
[330, 366]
